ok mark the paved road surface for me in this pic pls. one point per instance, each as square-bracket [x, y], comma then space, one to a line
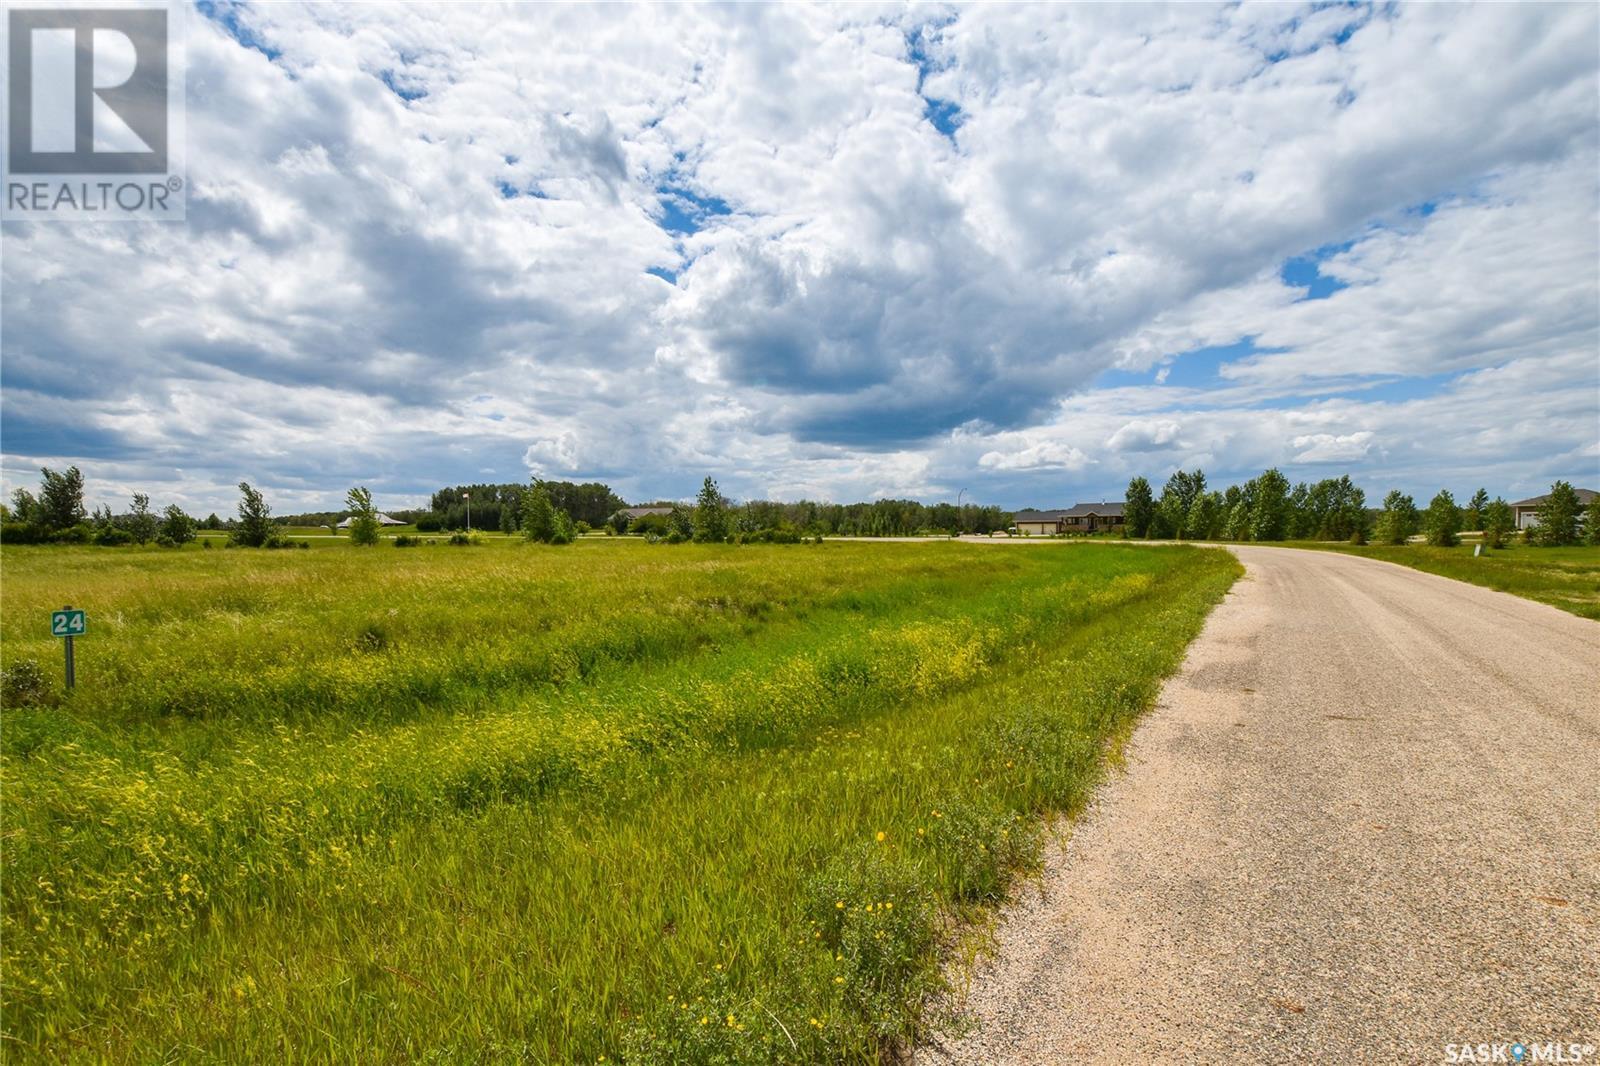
[1363, 821]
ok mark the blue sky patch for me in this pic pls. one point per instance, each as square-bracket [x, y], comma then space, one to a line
[1303, 272]
[226, 15]
[684, 212]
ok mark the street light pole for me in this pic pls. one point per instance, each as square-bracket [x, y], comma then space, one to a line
[468, 497]
[959, 523]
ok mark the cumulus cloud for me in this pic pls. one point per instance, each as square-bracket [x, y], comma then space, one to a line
[1144, 436]
[1332, 447]
[1046, 455]
[838, 251]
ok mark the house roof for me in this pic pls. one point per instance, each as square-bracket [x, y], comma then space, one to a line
[1077, 510]
[1104, 509]
[639, 512]
[1585, 497]
[383, 520]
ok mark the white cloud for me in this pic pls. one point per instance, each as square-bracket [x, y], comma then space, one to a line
[404, 290]
[1333, 448]
[1144, 436]
[1046, 455]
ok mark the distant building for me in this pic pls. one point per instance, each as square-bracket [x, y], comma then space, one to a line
[1527, 511]
[639, 512]
[383, 520]
[1079, 518]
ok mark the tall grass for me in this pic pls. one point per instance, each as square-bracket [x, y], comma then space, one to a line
[729, 829]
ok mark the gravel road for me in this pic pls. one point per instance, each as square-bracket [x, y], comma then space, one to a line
[1363, 821]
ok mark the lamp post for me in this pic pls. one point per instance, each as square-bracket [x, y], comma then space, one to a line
[468, 497]
[960, 525]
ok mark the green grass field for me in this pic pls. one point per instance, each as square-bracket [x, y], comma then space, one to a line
[532, 804]
[1568, 578]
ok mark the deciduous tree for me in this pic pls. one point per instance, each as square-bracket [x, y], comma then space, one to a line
[255, 518]
[364, 528]
[141, 523]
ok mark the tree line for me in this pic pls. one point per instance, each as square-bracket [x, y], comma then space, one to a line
[1268, 508]
[56, 514]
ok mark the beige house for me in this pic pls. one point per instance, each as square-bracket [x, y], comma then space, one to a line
[1079, 518]
[1527, 511]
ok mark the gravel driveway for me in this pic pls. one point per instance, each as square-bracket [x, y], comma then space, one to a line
[1363, 821]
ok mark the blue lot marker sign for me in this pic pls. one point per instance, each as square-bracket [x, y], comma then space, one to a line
[69, 623]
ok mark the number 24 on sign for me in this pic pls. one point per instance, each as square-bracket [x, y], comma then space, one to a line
[68, 623]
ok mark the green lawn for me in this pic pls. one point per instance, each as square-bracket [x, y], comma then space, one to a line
[523, 803]
[1568, 578]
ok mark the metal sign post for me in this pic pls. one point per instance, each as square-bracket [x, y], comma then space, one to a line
[69, 623]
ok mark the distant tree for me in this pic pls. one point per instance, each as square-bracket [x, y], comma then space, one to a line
[1441, 522]
[255, 518]
[177, 526]
[1399, 519]
[1558, 517]
[25, 507]
[1591, 522]
[364, 527]
[61, 498]
[1303, 519]
[680, 522]
[710, 515]
[510, 517]
[1472, 516]
[1498, 522]
[1138, 509]
[141, 523]
[1269, 509]
[538, 514]
[1177, 499]
[211, 522]
[618, 521]
[1207, 516]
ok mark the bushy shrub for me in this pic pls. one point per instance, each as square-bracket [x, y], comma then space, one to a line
[432, 522]
[20, 533]
[113, 537]
[404, 540]
[23, 684]
[466, 540]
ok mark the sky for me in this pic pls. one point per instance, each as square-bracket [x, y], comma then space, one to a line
[839, 253]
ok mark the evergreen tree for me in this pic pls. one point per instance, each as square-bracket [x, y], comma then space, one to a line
[1138, 509]
[1472, 518]
[1558, 517]
[710, 515]
[1498, 522]
[1591, 523]
[255, 521]
[1442, 520]
[364, 527]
